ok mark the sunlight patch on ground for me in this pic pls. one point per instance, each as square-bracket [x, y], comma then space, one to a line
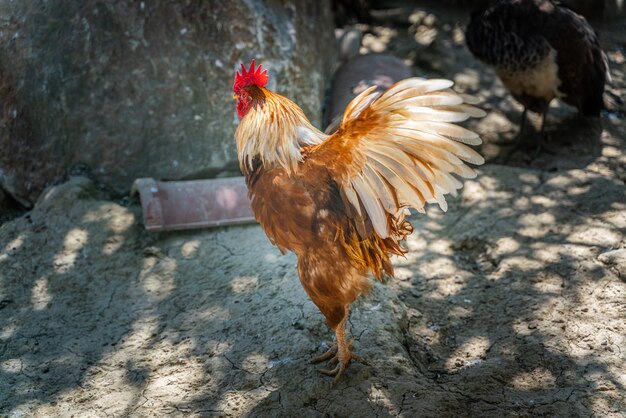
[244, 284]
[271, 257]
[138, 375]
[240, 403]
[378, 40]
[380, 398]
[13, 366]
[515, 264]
[609, 402]
[158, 277]
[118, 221]
[189, 249]
[506, 245]
[40, 296]
[468, 78]
[579, 190]
[461, 312]
[441, 246]
[539, 378]
[255, 363]
[402, 273]
[113, 244]
[547, 253]
[600, 235]
[544, 201]
[74, 242]
[434, 221]
[8, 331]
[537, 225]
[470, 353]
[426, 27]
[551, 284]
[415, 244]
[440, 266]
[444, 289]
[12, 246]
[176, 372]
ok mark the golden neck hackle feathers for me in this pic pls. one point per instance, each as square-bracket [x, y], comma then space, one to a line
[274, 129]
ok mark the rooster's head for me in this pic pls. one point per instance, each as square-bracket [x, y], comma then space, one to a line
[243, 82]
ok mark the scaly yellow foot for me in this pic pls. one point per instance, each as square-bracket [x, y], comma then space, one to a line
[330, 354]
[343, 361]
[340, 354]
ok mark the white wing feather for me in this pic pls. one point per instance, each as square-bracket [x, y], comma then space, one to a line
[410, 159]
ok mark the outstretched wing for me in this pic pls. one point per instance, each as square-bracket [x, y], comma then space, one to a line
[400, 149]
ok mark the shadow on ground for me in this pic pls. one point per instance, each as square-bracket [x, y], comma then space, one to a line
[510, 304]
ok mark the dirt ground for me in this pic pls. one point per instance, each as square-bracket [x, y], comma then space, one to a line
[513, 303]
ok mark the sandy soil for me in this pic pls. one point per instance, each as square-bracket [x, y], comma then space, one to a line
[510, 304]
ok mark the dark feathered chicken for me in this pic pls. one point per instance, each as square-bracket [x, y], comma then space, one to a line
[541, 51]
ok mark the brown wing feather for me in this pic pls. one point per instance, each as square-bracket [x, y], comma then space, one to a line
[398, 150]
[283, 206]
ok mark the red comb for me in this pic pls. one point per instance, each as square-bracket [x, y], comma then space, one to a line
[251, 76]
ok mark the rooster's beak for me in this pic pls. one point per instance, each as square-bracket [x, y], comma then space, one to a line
[235, 97]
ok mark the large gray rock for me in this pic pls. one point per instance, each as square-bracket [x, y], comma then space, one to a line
[130, 88]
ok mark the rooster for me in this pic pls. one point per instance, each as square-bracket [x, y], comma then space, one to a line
[541, 51]
[339, 201]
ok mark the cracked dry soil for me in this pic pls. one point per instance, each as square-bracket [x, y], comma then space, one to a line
[511, 304]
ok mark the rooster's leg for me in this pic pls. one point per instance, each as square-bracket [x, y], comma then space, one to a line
[340, 353]
[330, 354]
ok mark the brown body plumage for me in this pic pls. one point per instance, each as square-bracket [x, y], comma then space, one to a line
[304, 212]
[338, 202]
